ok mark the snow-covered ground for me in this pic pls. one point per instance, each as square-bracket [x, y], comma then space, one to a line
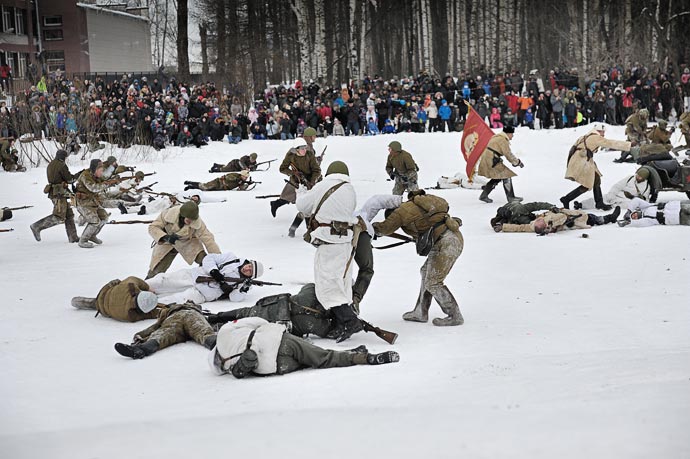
[571, 347]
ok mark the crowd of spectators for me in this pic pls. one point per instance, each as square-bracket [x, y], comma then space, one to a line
[159, 113]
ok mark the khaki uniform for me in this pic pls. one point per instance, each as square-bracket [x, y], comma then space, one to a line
[226, 182]
[59, 177]
[555, 220]
[402, 166]
[498, 146]
[581, 166]
[9, 158]
[660, 137]
[118, 300]
[193, 239]
[416, 217]
[88, 197]
[236, 165]
[636, 129]
[176, 324]
[307, 165]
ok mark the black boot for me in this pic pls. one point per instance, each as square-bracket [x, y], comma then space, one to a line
[71, 229]
[210, 342]
[276, 204]
[142, 210]
[137, 351]
[599, 200]
[508, 188]
[383, 358]
[565, 200]
[121, 206]
[216, 167]
[191, 185]
[486, 189]
[295, 224]
[613, 216]
[347, 323]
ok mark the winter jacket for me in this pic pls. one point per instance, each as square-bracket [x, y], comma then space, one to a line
[652, 215]
[193, 237]
[581, 166]
[401, 162]
[338, 207]
[417, 216]
[498, 145]
[118, 300]
[232, 341]
[555, 220]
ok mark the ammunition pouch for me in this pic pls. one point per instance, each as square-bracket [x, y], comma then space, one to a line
[425, 241]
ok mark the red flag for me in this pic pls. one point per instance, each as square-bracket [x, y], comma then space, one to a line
[475, 138]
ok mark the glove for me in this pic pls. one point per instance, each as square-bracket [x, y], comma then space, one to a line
[217, 275]
[628, 195]
[226, 288]
[245, 286]
[170, 238]
[246, 363]
[520, 163]
[498, 227]
[392, 176]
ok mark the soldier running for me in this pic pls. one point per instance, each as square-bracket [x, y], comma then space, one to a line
[90, 187]
[401, 168]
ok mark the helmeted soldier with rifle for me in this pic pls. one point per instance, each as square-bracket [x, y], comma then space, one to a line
[233, 181]
[58, 191]
[302, 168]
[401, 168]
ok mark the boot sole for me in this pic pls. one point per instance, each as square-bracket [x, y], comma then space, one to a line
[416, 319]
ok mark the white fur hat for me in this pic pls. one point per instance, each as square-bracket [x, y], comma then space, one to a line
[147, 301]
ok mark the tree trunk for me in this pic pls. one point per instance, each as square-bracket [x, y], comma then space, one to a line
[220, 36]
[319, 39]
[182, 40]
[203, 37]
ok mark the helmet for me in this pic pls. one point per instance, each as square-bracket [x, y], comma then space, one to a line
[644, 113]
[337, 167]
[189, 210]
[147, 301]
[299, 142]
[663, 124]
[395, 146]
[310, 132]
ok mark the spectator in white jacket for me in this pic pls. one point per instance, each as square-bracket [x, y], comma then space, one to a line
[331, 205]
[254, 345]
[181, 286]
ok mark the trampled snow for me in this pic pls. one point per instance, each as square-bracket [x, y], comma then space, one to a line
[571, 347]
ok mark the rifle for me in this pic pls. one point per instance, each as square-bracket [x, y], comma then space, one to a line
[249, 184]
[139, 190]
[264, 162]
[129, 222]
[133, 176]
[6, 230]
[404, 239]
[266, 196]
[299, 175]
[233, 280]
[323, 153]
[385, 335]
[17, 208]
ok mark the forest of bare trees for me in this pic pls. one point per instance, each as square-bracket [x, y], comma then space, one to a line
[332, 41]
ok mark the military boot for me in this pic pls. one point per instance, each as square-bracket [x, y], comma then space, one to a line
[376, 359]
[44, 223]
[565, 200]
[191, 185]
[210, 342]
[215, 168]
[123, 209]
[84, 240]
[71, 230]
[83, 302]
[599, 200]
[137, 351]
[421, 310]
[346, 323]
[276, 204]
[446, 300]
[510, 193]
[142, 210]
[93, 238]
[295, 224]
[613, 216]
[486, 189]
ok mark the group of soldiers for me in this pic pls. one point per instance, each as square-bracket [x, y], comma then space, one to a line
[268, 338]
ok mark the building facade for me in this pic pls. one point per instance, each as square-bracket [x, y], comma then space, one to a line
[42, 36]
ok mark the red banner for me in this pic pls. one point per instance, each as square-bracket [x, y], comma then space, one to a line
[475, 137]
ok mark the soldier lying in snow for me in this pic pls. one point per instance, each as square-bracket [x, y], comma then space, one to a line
[557, 220]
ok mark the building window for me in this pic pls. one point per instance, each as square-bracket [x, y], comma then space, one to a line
[19, 23]
[52, 34]
[55, 60]
[52, 21]
[7, 23]
[21, 64]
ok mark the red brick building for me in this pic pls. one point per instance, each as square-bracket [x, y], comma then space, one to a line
[76, 37]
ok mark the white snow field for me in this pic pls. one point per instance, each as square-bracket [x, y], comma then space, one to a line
[571, 347]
